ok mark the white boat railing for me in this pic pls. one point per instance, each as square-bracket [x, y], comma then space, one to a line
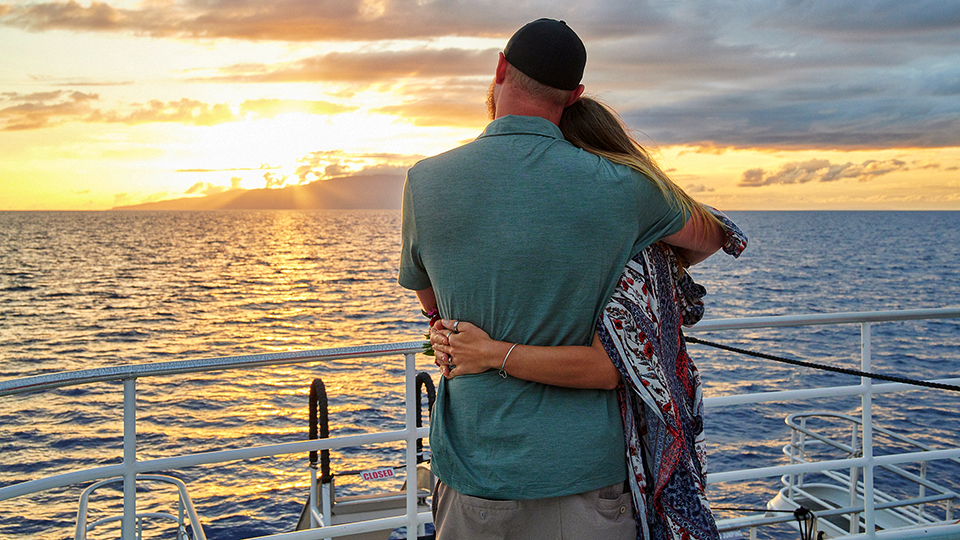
[867, 461]
[185, 509]
[806, 440]
[131, 467]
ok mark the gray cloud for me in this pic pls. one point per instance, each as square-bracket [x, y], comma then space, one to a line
[821, 170]
[857, 19]
[777, 119]
[757, 73]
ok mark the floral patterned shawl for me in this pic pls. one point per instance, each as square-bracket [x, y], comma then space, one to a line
[660, 393]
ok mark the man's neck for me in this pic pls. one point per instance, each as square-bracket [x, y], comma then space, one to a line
[511, 103]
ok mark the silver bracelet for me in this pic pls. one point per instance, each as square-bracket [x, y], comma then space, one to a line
[502, 372]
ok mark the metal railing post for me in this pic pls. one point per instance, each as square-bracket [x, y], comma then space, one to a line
[867, 438]
[854, 479]
[314, 496]
[413, 406]
[129, 523]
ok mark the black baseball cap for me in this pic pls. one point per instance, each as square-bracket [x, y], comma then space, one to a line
[549, 52]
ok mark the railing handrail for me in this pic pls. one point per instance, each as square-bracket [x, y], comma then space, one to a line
[814, 319]
[183, 461]
[137, 371]
[115, 373]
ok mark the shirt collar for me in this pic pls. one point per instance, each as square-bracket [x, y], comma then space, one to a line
[522, 125]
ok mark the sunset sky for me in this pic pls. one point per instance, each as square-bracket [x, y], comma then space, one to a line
[749, 105]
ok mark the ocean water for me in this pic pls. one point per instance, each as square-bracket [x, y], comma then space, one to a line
[89, 289]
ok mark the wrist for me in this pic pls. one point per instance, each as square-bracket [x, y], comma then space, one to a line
[503, 364]
[497, 352]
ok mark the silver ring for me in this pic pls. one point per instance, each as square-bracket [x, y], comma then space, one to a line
[455, 325]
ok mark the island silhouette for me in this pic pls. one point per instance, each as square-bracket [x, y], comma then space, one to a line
[368, 192]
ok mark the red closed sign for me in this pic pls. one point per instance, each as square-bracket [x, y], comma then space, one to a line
[377, 474]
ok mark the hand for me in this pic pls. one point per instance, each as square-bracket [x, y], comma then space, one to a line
[462, 348]
[441, 359]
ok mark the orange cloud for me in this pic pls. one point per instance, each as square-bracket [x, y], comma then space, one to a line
[282, 20]
[184, 111]
[69, 15]
[334, 163]
[207, 188]
[442, 112]
[367, 67]
[49, 109]
[44, 109]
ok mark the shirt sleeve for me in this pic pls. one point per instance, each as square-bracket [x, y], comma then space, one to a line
[413, 274]
[660, 215]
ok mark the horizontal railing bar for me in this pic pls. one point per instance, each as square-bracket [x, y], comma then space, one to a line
[60, 480]
[136, 371]
[221, 456]
[381, 524]
[754, 520]
[780, 321]
[791, 421]
[926, 455]
[140, 515]
[205, 458]
[944, 491]
[813, 393]
[780, 395]
[58, 380]
[933, 532]
[781, 470]
[817, 466]
[895, 504]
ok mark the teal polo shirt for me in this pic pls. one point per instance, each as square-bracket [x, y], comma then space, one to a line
[526, 235]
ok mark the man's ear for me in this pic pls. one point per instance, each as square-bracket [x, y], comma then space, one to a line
[574, 96]
[501, 73]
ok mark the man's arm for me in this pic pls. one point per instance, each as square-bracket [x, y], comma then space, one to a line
[428, 299]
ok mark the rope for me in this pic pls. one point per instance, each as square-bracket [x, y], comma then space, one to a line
[878, 376]
[807, 522]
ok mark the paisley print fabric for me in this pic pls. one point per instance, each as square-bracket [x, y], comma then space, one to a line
[660, 394]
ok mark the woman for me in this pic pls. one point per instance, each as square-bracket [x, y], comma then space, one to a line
[638, 347]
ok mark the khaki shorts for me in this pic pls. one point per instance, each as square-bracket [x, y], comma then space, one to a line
[602, 514]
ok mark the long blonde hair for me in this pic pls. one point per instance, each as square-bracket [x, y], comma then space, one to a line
[594, 127]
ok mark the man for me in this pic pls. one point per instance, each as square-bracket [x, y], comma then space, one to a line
[525, 236]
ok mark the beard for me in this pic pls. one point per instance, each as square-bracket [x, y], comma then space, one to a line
[491, 102]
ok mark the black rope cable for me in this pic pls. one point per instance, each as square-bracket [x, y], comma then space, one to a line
[804, 516]
[858, 373]
[805, 521]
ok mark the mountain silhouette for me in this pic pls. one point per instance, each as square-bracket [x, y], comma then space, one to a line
[368, 192]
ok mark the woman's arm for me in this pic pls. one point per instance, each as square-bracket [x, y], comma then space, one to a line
[470, 350]
[699, 238]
